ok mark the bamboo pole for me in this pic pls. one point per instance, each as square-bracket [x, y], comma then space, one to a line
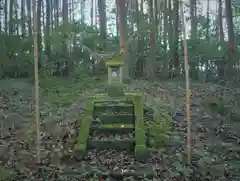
[35, 45]
[186, 66]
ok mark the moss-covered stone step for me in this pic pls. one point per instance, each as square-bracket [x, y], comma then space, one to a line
[114, 128]
[82, 139]
[118, 175]
[109, 107]
[106, 105]
[128, 96]
[126, 118]
[113, 100]
[111, 144]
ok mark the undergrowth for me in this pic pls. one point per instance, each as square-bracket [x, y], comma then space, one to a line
[63, 91]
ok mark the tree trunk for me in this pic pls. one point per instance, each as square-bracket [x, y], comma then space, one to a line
[69, 66]
[39, 7]
[11, 24]
[16, 16]
[175, 38]
[65, 11]
[82, 11]
[220, 22]
[73, 14]
[141, 43]
[47, 36]
[1, 12]
[194, 63]
[165, 24]
[91, 12]
[139, 65]
[208, 20]
[231, 36]
[23, 28]
[102, 21]
[117, 19]
[29, 14]
[6, 16]
[152, 31]
[122, 24]
[193, 19]
[56, 14]
[220, 63]
[37, 112]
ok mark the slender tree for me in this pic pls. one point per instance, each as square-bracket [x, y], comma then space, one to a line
[186, 67]
[35, 44]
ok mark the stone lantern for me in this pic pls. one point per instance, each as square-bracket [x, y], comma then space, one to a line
[115, 71]
[115, 77]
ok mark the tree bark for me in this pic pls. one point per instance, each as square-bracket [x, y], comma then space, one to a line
[29, 14]
[11, 24]
[39, 7]
[23, 28]
[103, 22]
[47, 37]
[231, 36]
[6, 16]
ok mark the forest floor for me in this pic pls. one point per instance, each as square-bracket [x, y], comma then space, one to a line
[214, 115]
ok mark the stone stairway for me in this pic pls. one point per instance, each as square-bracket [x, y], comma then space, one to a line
[113, 123]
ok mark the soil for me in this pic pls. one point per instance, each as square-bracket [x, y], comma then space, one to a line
[215, 138]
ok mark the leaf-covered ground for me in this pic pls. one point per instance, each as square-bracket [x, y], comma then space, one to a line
[215, 124]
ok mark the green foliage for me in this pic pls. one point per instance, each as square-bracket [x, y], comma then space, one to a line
[17, 52]
[16, 56]
[6, 174]
[216, 106]
[159, 129]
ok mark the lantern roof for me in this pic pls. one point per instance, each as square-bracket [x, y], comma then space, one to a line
[115, 61]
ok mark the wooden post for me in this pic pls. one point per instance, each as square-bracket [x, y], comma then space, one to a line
[186, 67]
[35, 45]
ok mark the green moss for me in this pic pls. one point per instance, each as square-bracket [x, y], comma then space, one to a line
[141, 152]
[140, 144]
[99, 96]
[140, 132]
[83, 135]
[140, 136]
[138, 111]
[80, 148]
[116, 61]
[89, 106]
[117, 126]
[84, 132]
[129, 96]
[115, 90]
[125, 118]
